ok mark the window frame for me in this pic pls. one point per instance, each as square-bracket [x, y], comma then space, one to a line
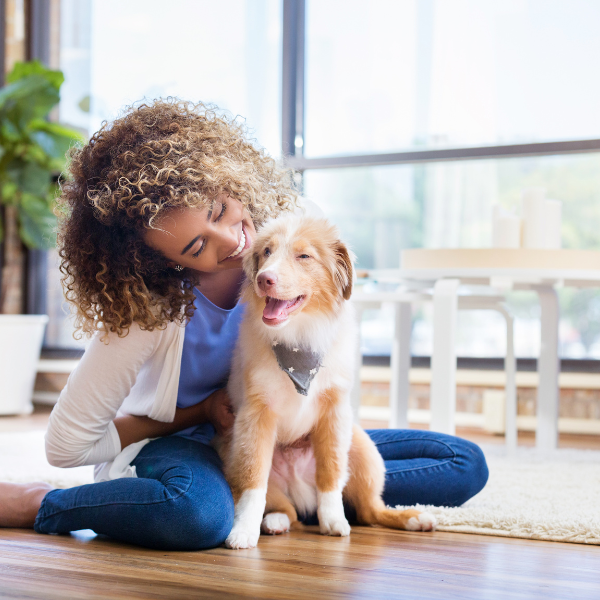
[292, 142]
[293, 126]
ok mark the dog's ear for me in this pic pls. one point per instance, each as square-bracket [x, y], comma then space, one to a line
[343, 269]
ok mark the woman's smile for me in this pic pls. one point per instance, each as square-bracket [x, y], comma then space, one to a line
[240, 246]
[244, 244]
[206, 239]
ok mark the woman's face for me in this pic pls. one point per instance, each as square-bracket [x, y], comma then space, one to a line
[208, 240]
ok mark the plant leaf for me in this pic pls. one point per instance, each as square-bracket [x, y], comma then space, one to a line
[30, 177]
[8, 192]
[55, 140]
[27, 99]
[37, 222]
[35, 67]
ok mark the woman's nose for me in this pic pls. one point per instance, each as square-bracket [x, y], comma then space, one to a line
[229, 237]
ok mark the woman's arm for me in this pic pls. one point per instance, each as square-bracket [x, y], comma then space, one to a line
[215, 409]
[81, 429]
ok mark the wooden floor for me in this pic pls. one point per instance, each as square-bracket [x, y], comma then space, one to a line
[373, 563]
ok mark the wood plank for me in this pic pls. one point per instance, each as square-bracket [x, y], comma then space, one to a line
[372, 563]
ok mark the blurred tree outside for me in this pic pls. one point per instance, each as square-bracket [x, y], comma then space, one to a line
[382, 210]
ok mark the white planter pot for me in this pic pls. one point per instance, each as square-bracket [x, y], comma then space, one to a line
[21, 338]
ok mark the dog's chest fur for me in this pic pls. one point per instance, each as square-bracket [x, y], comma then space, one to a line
[255, 364]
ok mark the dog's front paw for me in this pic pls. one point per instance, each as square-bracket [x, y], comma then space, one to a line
[240, 538]
[275, 523]
[422, 522]
[339, 527]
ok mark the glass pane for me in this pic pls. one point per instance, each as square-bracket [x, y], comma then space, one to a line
[115, 53]
[59, 332]
[382, 210]
[401, 74]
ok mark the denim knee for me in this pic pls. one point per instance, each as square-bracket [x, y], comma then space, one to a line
[189, 524]
[474, 468]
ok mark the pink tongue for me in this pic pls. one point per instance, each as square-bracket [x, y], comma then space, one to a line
[275, 308]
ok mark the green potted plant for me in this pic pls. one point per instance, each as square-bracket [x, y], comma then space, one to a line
[32, 154]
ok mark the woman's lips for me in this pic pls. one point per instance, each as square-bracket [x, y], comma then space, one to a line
[246, 245]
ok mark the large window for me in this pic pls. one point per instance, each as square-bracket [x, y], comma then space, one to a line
[397, 94]
[391, 75]
[409, 120]
[116, 53]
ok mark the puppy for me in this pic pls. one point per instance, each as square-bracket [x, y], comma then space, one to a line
[293, 447]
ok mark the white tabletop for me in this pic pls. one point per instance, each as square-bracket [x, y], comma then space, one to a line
[490, 266]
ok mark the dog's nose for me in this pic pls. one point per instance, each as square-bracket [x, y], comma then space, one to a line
[266, 280]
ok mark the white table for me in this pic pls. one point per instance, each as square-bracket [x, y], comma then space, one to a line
[539, 270]
[403, 302]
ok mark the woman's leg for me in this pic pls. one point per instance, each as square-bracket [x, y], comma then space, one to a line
[179, 500]
[424, 467]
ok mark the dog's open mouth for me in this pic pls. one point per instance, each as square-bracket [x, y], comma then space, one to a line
[277, 311]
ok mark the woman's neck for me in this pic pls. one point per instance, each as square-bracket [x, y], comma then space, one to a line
[223, 288]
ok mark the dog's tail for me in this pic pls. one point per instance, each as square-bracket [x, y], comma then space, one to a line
[365, 487]
[410, 519]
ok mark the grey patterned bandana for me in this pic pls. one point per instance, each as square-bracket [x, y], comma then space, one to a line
[299, 364]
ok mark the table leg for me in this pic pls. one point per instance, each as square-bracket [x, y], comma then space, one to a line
[510, 388]
[400, 363]
[548, 371]
[443, 359]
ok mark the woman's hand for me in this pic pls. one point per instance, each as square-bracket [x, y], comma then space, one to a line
[219, 411]
[216, 409]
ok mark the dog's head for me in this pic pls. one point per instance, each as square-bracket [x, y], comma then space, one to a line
[299, 265]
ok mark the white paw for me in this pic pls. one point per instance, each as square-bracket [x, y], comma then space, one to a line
[424, 522]
[334, 527]
[241, 537]
[275, 523]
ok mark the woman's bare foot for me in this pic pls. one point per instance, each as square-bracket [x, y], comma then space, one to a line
[20, 503]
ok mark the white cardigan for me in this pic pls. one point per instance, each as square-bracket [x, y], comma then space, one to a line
[135, 375]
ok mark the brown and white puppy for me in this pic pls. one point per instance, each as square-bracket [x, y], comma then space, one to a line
[293, 446]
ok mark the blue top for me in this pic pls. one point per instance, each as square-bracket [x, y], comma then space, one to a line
[208, 343]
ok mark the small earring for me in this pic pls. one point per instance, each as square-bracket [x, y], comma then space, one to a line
[178, 268]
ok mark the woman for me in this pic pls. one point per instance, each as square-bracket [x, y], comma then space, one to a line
[161, 207]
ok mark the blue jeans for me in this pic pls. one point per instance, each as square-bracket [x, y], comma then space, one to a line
[181, 501]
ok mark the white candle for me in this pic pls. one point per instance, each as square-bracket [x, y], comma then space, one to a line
[552, 228]
[506, 232]
[534, 206]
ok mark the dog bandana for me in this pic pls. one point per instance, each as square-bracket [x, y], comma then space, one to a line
[299, 365]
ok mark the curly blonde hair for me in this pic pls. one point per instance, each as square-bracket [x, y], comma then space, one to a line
[156, 158]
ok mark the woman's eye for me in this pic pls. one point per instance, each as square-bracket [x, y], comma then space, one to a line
[304, 256]
[197, 254]
[267, 252]
[223, 209]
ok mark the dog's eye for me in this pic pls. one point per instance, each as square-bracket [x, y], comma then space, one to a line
[304, 256]
[267, 252]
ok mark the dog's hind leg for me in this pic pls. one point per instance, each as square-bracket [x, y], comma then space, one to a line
[247, 470]
[365, 486]
[279, 511]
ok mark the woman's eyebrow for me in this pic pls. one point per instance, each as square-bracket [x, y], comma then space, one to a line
[190, 244]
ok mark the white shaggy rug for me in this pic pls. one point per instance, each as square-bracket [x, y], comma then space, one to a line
[556, 498]
[23, 458]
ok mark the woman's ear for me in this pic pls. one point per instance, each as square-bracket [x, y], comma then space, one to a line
[343, 269]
